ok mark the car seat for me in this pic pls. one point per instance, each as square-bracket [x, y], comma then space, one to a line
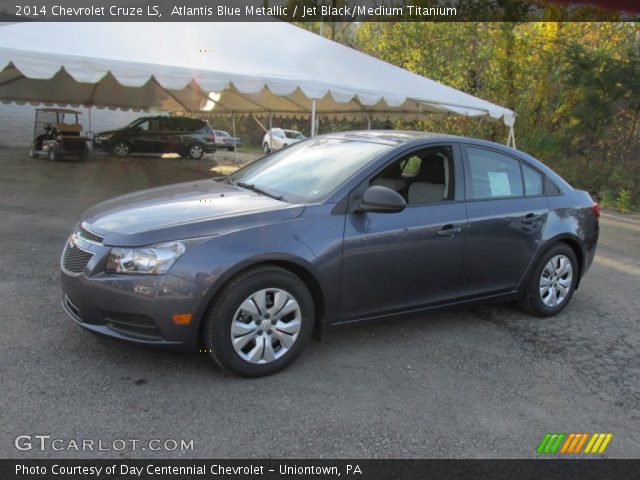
[432, 180]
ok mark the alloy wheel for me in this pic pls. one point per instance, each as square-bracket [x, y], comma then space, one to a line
[266, 325]
[196, 151]
[121, 149]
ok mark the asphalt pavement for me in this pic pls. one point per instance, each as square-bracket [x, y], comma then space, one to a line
[481, 382]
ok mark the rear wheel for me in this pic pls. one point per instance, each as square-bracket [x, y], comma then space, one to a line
[553, 281]
[121, 149]
[230, 149]
[196, 151]
[260, 322]
[54, 155]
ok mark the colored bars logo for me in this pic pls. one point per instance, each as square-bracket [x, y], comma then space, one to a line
[573, 443]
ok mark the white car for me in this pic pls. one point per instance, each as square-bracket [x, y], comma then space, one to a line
[277, 138]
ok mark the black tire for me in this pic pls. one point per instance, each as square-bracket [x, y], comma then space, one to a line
[54, 155]
[265, 148]
[121, 149]
[533, 302]
[216, 331]
[195, 151]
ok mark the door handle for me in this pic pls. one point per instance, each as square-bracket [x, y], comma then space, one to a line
[449, 231]
[530, 218]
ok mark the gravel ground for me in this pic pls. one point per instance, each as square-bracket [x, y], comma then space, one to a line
[487, 381]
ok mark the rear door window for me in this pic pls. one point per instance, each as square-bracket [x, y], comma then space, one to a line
[492, 175]
[533, 181]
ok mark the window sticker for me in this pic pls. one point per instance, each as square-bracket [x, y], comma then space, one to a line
[499, 184]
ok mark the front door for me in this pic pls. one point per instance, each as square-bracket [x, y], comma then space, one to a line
[147, 137]
[407, 260]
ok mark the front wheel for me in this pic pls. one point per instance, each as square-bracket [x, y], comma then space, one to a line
[54, 155]
[260, 322]
[553, 281]
[122, 149]
[265, 148]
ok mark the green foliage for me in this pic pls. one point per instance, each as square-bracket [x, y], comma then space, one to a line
[575, 87]
[623, 202]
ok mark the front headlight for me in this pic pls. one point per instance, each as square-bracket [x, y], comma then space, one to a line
[155, 259]
[105, 137]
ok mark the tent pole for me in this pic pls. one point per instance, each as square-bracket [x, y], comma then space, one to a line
[90, 129]
[235, 146]
[313, 117]
[511, 141]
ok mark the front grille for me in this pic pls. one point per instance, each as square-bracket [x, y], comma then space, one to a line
[87, 235]
[74, 260]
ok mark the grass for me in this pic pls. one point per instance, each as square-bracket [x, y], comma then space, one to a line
[249, 149]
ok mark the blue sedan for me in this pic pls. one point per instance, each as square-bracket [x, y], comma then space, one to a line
[339, 228]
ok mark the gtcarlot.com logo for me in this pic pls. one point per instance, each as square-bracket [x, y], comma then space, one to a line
[573, 443]
[49, 443]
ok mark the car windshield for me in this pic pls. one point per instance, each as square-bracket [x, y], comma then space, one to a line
[293, 134]
[309, 171]
[136, 122]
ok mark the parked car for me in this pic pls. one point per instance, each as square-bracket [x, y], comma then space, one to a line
[341, 228]
[189, 137]
[277, 138]
[57, 133]
[224, 140]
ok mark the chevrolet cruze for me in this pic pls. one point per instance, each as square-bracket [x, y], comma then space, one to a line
[336, 229]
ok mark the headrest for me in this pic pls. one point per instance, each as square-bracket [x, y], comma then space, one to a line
[432, 169]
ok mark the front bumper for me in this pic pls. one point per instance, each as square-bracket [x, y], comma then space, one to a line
[101, 145]
[135, 308]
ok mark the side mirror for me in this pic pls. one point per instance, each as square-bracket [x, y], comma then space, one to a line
[381, 200]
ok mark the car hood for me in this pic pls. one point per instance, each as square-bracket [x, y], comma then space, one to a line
[184, 210]
[109, 132]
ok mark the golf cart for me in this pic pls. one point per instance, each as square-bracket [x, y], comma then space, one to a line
[57, 134]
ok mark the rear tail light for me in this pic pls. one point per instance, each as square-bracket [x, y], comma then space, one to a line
[211, 138]
[595, 208]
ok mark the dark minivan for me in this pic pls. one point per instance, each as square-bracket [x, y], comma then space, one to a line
[188, 137]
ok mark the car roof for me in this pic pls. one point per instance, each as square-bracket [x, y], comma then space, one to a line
[389, 137]
[58, 110]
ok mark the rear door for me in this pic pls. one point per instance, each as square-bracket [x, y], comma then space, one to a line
[506, 212]
[172, 130]
[406, 260]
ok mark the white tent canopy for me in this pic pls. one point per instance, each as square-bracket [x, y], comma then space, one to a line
[233, 68]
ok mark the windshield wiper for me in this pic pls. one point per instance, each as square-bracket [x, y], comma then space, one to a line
[221, 178]
[251, 186]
